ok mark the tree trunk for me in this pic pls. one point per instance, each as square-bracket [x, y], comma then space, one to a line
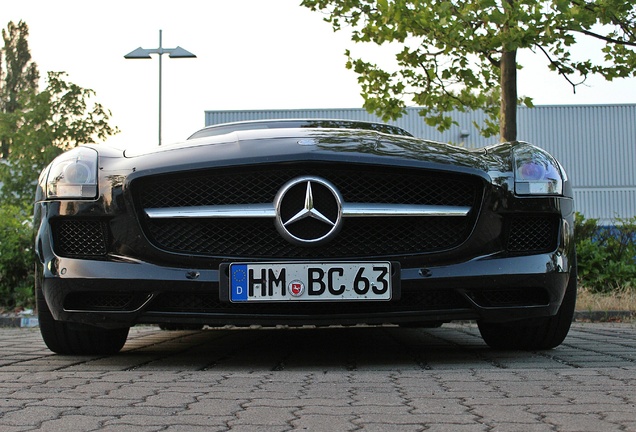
[508, 110]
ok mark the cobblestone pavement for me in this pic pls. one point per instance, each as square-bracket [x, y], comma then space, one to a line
[370, 379]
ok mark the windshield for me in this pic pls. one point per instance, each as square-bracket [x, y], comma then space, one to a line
[284, 124]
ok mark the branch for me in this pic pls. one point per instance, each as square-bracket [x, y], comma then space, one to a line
[557, 65]
[617, 22]
[605, 38]
[493, 61]
[448, 93]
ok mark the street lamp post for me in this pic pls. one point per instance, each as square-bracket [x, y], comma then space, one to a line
[143, 53]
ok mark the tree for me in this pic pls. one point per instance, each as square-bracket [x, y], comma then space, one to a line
[34, 128]
[49, 122]
[18, 76]
[462, 54]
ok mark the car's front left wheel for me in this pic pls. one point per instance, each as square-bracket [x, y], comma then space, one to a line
[537, 333]
[75, 338]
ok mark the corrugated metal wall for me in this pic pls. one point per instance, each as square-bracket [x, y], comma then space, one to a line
[595, 143]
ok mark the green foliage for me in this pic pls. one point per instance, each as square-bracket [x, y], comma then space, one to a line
[49, 122]
[17, 71]
[16, 258]
[35, 127]
[451, 50]
[606, 255]
[18, 74]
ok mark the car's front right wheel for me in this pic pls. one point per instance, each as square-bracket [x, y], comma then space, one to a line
[536, 333]
[75, 338]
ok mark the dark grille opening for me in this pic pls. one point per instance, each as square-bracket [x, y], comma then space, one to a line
[80, 238]
[104, 301]
[411, 301]
[511, 297]
[533, 233]
[259, 185]
[259, 238]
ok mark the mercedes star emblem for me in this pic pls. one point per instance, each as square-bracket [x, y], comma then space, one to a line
[308, 211]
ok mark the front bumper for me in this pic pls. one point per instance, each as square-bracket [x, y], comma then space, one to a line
[121, 292]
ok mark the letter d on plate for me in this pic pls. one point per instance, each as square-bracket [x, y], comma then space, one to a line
[238, 281]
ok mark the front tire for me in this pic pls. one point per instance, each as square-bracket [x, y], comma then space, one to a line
[534, 334]
[75, 338]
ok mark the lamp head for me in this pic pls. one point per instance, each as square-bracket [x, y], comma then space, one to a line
[179, 52]
[139, 53]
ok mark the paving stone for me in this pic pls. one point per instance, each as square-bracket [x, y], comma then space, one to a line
[371, 379]
[324, 423]
[264, 416]
[73, 422]
[581, 422]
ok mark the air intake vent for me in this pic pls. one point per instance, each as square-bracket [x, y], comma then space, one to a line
[104, 301]
[510, 297]
[533, 233]
[80, 238]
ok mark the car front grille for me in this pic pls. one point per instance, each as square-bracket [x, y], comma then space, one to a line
[258, 238]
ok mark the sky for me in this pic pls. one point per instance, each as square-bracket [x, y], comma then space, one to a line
[251, 54]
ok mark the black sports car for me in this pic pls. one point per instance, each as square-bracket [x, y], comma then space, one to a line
[297, 222]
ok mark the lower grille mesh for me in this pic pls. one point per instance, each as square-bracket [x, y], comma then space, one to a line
[104, 301]
[511, 297]
[80, 238]
[259, 238]
[533, 233]
[411, 301]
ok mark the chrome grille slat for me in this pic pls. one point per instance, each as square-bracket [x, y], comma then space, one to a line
[268, 211]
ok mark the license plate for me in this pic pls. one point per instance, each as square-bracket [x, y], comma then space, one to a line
[254, 282]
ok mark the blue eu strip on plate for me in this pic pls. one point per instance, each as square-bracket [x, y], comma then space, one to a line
[239, 283]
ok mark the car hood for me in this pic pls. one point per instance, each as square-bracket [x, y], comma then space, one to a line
[280, 145]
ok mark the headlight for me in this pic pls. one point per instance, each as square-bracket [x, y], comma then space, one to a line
[536, 172]
[73, 175]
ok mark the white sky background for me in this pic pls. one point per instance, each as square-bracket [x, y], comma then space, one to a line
[251, 54]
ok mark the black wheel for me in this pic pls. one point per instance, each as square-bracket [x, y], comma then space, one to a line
[75, 338]
[177, 327]
[534, 334]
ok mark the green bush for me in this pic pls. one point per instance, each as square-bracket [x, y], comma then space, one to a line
[16, 258]
[606, 255]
